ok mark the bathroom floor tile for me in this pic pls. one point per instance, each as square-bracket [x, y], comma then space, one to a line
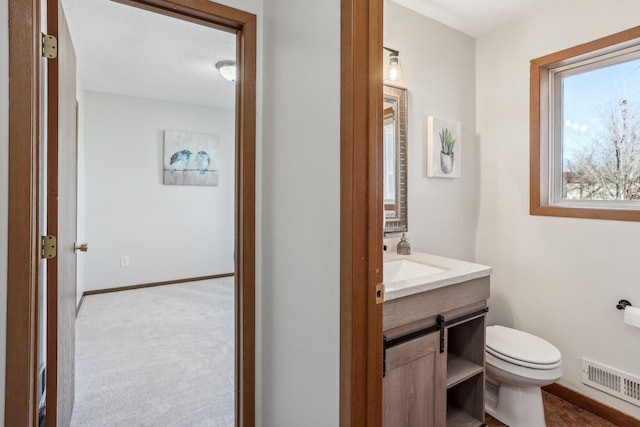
[560, 413]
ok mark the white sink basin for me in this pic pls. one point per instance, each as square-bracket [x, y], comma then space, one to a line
[405, 275]
[403, 269]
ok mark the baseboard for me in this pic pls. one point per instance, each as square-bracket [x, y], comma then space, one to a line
[607, 412]
[150, 285]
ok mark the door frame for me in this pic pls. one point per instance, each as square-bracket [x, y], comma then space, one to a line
[361, 210]
[23, 240]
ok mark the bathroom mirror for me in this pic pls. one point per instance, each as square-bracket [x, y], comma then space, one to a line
[394, 140]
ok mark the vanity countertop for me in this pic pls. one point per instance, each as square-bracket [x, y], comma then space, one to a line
[454, 271]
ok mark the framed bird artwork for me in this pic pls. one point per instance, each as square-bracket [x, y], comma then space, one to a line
[190, 158]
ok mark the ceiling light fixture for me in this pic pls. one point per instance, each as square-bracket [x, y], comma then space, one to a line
[227, 69]
[394, 68]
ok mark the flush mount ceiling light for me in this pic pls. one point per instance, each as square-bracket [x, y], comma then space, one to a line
[394, 68]
[227, 70]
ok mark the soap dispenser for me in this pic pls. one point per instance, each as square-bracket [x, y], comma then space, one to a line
[404, 248]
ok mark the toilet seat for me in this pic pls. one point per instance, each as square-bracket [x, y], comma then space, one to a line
[521, 348]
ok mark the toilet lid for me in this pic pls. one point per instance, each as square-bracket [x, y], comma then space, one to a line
[522, 348]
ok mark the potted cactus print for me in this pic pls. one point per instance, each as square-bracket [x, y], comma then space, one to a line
[443, 148]
[447, 142]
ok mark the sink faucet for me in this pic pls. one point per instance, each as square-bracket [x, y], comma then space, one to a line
[403, 248]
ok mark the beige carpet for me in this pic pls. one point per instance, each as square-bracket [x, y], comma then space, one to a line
[161, 356]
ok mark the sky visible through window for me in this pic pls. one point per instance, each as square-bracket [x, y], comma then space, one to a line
[591, 102]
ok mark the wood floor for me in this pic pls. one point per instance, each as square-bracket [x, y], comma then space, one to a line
[560, 413]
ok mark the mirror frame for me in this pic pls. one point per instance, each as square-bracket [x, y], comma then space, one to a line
[398, 222]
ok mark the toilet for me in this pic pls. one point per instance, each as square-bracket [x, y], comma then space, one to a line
[517, 365]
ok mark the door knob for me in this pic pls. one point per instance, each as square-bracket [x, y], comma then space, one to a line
[82, 247]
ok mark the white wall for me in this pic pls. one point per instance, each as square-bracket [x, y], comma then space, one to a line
[559, 278]
[168, 231]
[438, 64]
[4, 153]
[301, 213]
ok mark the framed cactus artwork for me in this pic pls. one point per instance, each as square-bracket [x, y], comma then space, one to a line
[444, 145]
[190, 158]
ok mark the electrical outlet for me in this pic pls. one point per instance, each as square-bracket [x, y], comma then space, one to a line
[124, 261]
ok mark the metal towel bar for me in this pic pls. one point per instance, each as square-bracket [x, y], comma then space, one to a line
[622, 304]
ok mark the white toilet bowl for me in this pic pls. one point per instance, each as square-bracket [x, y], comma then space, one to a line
[517, 365]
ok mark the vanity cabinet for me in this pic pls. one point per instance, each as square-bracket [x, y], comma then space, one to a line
[434, 357]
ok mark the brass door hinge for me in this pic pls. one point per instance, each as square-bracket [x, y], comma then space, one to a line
[48, 247]
[49, 46]
[380, 293]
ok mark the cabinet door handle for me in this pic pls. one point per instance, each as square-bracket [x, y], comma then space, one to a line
[441, 327]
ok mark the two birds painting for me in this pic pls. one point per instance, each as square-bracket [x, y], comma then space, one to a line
[191, 158]
[180, 160]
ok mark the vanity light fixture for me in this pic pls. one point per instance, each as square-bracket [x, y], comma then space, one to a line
[394, 69]
[227, 69]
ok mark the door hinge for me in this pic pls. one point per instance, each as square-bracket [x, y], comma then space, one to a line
[48, 247]
[380, 293]
[49, 46]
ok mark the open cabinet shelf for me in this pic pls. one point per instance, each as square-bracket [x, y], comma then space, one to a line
[465, 373]
[456, 417]
[460, 369]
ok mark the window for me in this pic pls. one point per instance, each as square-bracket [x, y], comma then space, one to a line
[585, 130]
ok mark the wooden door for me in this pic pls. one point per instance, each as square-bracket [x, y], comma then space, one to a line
[414, 387]
[61, 221]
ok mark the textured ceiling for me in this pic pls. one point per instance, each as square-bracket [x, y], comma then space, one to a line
[474, 17]
[125, 50]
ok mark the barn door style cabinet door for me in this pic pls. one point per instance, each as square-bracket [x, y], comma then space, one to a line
[414, 383]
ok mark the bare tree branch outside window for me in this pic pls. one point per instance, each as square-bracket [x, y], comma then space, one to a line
[605, 164]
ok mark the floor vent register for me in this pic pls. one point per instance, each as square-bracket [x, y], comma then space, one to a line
[612, 381]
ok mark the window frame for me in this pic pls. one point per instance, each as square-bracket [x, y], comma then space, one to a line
[543, 123]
